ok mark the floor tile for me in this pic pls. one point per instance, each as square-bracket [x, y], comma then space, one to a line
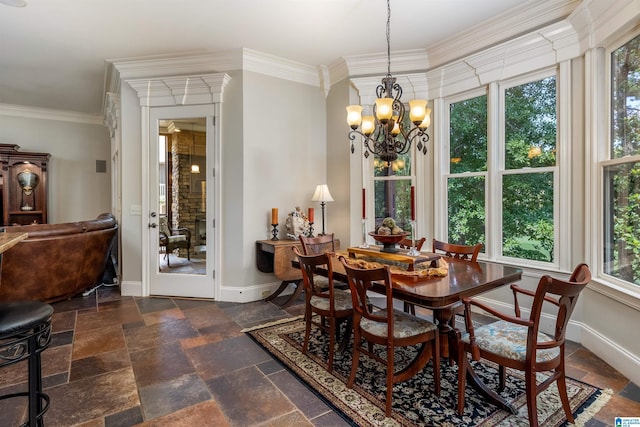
[304, 399]
[90, 398]
[99, 364]
[162, 398]
[160, 364]
[100, 340]
[101, 319]
[139, 338]
[203, 414]
[127, 418]
[247, 397]
[224, 357]
[150, 304]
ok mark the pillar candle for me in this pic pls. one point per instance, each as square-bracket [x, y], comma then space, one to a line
[274, 216]
[364, 205]
[413, 203]
[310, 215]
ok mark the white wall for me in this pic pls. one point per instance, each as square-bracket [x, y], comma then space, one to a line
[283, 159]
[76, 191]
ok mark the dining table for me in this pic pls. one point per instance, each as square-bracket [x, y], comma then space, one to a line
[464, 279]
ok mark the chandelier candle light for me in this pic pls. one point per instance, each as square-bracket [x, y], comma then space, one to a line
[385, 133]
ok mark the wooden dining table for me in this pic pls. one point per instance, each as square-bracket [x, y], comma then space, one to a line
[464, 279]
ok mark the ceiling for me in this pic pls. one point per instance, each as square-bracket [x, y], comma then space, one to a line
[54, 51]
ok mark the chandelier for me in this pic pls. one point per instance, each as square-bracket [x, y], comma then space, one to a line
[387, 134]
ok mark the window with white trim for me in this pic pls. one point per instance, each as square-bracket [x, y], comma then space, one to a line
[502, 185]
[621, 168]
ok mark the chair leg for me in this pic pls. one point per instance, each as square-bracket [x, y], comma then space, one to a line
[462, 377]
[332, 341]
[436, 363]
[307, 331]
[356, 358]
[502, 374]
[390, 375]
[532, 407]
[562, 390]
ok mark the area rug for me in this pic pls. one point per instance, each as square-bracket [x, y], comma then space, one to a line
[414, 403]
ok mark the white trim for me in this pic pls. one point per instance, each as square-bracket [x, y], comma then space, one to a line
[625, 362]
[216, 62]
[50, 114]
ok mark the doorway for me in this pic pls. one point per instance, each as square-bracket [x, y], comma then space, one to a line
[181, 243]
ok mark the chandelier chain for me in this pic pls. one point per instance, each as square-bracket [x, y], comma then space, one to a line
[388, 37]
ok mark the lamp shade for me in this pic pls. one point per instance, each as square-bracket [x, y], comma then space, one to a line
[322, 194]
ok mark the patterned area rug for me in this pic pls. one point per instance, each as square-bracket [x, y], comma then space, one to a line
[413, 400]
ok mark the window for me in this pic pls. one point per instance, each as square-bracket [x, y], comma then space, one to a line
[466, 185]
[513, 177]
[621, 171]
[528, 200]
[392, 187]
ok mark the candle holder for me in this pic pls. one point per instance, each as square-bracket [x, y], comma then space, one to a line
[310, 234]
[413, 251]
[364, 244]
[274, 232]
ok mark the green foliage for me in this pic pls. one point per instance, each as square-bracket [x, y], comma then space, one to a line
[530, 132]
[622, 201]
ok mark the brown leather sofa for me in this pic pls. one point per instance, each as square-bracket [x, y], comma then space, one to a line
[57, 261]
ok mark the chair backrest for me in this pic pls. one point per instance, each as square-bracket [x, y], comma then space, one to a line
[561, 293]
[464, 252]
[407, 243]
[308, 264]
[318, 244]
[163, 226]
[360, 281]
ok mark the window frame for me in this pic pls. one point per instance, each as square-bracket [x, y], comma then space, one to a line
[495, 92]
[604, 160]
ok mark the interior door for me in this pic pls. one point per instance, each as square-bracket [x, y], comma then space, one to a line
[181, 244]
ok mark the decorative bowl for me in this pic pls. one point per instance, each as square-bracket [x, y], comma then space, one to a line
[389, 241]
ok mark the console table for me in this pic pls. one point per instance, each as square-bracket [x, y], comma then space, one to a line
[275, 256]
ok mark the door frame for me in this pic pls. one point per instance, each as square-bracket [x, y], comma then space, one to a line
[181, 284]
[206, 90]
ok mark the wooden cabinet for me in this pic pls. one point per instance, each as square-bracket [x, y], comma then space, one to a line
[23, 186]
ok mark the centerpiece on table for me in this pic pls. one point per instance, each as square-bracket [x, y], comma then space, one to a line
[389, 235]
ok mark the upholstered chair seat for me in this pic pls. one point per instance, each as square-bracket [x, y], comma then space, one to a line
[404, 325]
[341, 301]
[510, 341]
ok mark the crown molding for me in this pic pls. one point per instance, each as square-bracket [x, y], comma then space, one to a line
[50, 114]
[180, 90]
[192, 64]
[598, 21]
[403, 61]
[524, 19]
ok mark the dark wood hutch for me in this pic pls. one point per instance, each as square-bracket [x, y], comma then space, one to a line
[23, 186]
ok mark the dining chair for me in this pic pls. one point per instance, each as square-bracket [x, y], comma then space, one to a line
[464, 252]
[389, 328]
[517, 343]
[173, 238]
[407, 243]
[323, 299]
[317, 244]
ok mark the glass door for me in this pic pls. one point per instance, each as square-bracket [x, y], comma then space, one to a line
[179, 251]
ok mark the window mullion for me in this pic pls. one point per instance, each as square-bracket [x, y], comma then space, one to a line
[495, 163]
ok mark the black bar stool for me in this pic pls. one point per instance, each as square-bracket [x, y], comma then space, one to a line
[25, 331]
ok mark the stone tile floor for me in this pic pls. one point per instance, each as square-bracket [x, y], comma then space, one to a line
[125, 361]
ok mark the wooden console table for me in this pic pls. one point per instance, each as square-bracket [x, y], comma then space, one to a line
[275, 256]
[399, 257]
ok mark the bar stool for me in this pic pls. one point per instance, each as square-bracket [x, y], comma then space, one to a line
[25, 331]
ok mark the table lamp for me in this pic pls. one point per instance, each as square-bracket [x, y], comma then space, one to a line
[322, 195]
